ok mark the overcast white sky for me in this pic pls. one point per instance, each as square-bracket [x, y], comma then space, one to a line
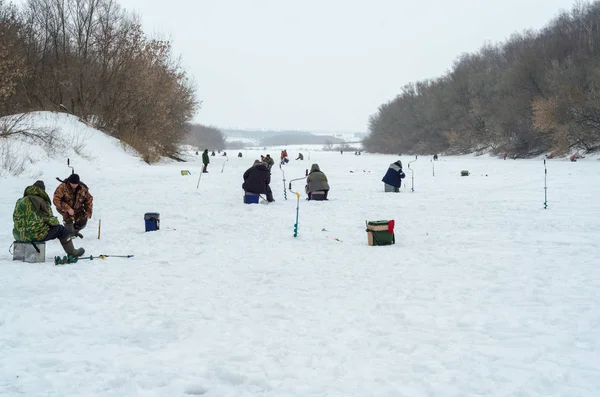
[323, 65]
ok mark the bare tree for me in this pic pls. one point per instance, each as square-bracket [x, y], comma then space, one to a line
[536, 91]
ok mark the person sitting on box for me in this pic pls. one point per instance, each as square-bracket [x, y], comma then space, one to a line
[34, 221]
[317, 186]
[257, 179]
[394, 175]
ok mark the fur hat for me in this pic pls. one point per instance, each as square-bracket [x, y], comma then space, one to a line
[73, 178]
[40, 184]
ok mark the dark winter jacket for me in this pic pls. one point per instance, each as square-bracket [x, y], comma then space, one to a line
[256, 179]
[205, 158]
[394, 174]
[316, 180]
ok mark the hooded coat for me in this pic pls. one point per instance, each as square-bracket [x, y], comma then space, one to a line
[394, 174]
[256, 179]
[316, 180]
[32, 215]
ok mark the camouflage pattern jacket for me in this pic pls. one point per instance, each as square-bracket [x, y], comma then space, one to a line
[79, 200]
[33, 216]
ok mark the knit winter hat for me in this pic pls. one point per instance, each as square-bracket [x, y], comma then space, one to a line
[40, 184]
[73, 178]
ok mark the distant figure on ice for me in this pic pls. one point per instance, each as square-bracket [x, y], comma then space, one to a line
[393, 177]
[341, 151]
[505, 155]
[213, 153]
[435, 157]
[240, 154]
[34, 221]
[573, 158]
[269, 161]
[74, 202]
[300, 157]
[225, 154]
[205, 161]
[317, 186]
[284, 157]
[257, 179]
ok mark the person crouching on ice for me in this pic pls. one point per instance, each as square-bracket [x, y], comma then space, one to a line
[317, 186]
[257, 179]
[34, 221]
[74, 202]
[393, 177]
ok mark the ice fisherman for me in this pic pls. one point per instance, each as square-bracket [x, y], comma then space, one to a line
[75, 203]
[269, 160]
[34, 221]
[205, 161]
[393, 177]
[317, 185]
[257, 179]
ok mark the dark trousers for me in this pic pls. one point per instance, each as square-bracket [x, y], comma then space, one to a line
[80, 224]
[324, 198]
[269, 194]
[56, 232]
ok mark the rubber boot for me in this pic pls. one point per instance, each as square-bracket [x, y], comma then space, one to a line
[78, 226]
[69, 248]
[73, 232]
[71, 228]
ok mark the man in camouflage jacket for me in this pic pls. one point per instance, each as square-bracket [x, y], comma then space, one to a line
[74, 202]
[34, 221]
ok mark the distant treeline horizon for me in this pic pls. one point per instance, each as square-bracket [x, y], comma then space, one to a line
[536, 92]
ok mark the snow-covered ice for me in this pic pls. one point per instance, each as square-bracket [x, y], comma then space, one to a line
[485, 293]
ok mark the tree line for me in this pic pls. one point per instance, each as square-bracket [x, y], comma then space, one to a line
[537, 92]
[91, 58]
[205, 137]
